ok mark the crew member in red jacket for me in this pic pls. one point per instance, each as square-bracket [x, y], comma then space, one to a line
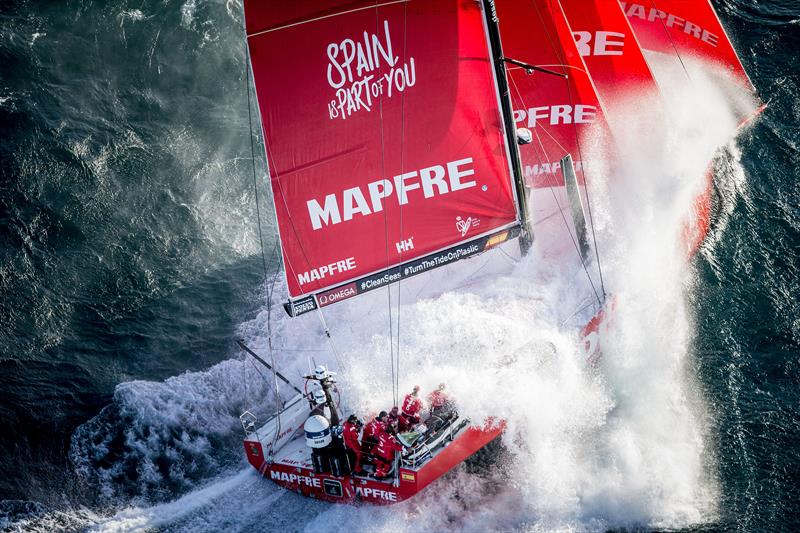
[372, 432]
[385, 452]
[412, 406]
[439, 401]
[351, 429]
[394, 418]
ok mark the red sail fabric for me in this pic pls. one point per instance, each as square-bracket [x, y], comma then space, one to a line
[383, 133]
[685, 27]
[611, 52]
[561, 112]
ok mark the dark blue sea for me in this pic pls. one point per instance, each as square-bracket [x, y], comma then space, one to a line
[130, 261]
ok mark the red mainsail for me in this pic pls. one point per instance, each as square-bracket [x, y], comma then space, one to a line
[384, 138]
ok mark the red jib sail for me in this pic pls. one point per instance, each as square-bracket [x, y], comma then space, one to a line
[688, 28]
[611, 52]
[384, 139]
[560, 111]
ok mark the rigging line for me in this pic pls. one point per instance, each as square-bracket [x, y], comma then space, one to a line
[253, 160]
[558, 204]
[396, 383]
[561, 57]
[277, 180]
[386, 234]
[671, 42]
[588, 200]
[333, 347]
[260, 233]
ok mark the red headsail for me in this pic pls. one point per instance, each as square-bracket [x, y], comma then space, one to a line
[687, 28]
[606, 41]
[560, 111]
[383, 133]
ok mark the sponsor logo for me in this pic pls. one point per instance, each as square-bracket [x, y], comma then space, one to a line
[367, 492]
[281, 435]
[327, 270]
[548, 168]
[405, 246]
[434, 180]
[353, 66]
[602, 43]
[255, 449]
[302, 306]
[464, 225]
[327, 298]
[651, 14]
[294, 479]
[557, 114]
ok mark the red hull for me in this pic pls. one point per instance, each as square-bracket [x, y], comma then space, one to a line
[299, 476]
[696, 229]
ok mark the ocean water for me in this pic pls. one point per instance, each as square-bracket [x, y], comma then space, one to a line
[130, 261]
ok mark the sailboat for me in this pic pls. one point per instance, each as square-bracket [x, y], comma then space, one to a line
[401, 138]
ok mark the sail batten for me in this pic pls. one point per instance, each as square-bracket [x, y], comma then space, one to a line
[384, 134]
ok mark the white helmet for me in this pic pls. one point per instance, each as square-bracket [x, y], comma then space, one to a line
[321, 372]
[319, 396]
[318, 431]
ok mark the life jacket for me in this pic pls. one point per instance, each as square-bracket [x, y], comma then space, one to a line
[411, 405]
[374, 429]
[437, 399]
[387, 447]
[351, 436]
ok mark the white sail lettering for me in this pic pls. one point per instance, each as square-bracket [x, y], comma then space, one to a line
[582, 39]
[670, 21]
[333, 51]
[433, 176]
[379, 190]
[386, 52]
[369, 51]
[354, 202]
[433, 180]
[562, 113]
[584, 114]
[605, 41]
[355, 91]
[328, 214]
[402, 187]
[558, 114]
[324, 271]
[456, 174]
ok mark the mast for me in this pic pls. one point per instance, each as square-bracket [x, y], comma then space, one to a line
[496, 48]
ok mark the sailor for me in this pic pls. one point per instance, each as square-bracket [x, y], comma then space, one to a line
[412, 406]
[351, 430]
[385, 452]
[394, 418]
[373, 431]
[439, 401]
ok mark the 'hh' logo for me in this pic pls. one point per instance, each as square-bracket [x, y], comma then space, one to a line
[463, 226]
